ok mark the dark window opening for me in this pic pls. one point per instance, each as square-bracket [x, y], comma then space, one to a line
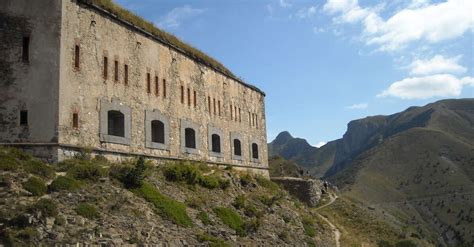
[25, 56]
[77, 53]
[116, 123]
[219, 107]
[195, 99]
[125, 72]
[216, 143]
[235, 110]
[23, 118]
[182, 94]
[240, 116]
[106, 65]
[157, 131]
[237, 147]
[255, 151]
[214, 103]
[189, 97]
[164, 88]
[157, 86]
[116, 70]
[75, 120]
[231, 113]
[189, 138]
[148, 83]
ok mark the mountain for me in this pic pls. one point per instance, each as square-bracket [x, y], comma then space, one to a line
[316, 160]
[414, 168]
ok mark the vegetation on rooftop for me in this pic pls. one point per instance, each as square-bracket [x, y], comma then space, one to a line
[138, 21]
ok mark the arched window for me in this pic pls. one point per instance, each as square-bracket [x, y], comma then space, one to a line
[255, 151]
[157, 131]
[116, 123]
[237, 147]
[189, 138]
[216, 143]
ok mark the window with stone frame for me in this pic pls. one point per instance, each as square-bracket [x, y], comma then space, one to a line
[157, 131]
[190, 138]
[116, 123]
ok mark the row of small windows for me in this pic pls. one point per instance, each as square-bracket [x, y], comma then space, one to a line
[187, 96]
[116, 126]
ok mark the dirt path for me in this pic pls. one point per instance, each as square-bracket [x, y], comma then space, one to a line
[336, 232]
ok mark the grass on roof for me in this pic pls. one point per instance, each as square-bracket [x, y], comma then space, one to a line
[138, 21]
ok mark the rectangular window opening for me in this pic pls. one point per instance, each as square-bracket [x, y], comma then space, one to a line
[25, 56]
[164, 88]
[231, 112]
[125, 74]
[75, 120]
[209, 104]
[182, 94]
[214, 103]
[219, 107]
[148, 83]
[24, 118]
[240, 116]
[116, 72]
[105, 69]
[195, 99]
[189, 97]
[77, 54]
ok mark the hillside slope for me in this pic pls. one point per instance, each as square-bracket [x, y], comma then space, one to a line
[418, 166]
[95, 202]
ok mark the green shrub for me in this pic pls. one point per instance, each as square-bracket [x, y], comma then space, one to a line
[195, 202]
[182, 172]
[192, 175]
[64, 183]
[39, 168]
[405, 243]
[246, 180]
[167, 207]
[239, 202]
[204, 218]
[59, 220]
[8, 162]
[308, 225]
[211, 240]
[120, 171]
[20, 237]
[88, 211]
[384, 243]
[266, 183]
[35, 186]
[46, 207]
[251, 211]
[231, 219]
[85, 170]
[134, 179]
[311, 243]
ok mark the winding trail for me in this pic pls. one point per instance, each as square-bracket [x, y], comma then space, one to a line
[336, 232]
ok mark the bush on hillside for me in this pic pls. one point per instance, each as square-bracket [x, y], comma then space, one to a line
[87, 210]
[135, 178]
[192, 175]
[232, 219]
[166, 207]
[64, 183]
[46, 207]
[35, 186]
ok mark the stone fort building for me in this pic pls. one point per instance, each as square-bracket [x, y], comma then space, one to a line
[86, 74]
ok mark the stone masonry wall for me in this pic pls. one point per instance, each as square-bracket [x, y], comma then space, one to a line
[30, 85]
[83, 91]
[306, 190]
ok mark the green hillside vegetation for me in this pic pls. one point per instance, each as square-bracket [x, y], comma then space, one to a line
[166, 37]
[91, 201]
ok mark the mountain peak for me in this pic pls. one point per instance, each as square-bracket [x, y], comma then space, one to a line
[285, 135]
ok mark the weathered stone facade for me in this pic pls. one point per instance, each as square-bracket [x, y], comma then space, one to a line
[305, 189]
[72, 103]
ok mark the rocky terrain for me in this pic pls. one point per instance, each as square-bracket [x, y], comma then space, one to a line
[414, 169]
[92, 201]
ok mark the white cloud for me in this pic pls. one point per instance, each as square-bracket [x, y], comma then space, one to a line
[320, 144]
[420, 21]
[441, 85]
[306, 12]
[179, 14]
[437, 65]
[285, 4]
[358, 106]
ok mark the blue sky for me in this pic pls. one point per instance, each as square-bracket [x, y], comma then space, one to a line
[325, 63]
